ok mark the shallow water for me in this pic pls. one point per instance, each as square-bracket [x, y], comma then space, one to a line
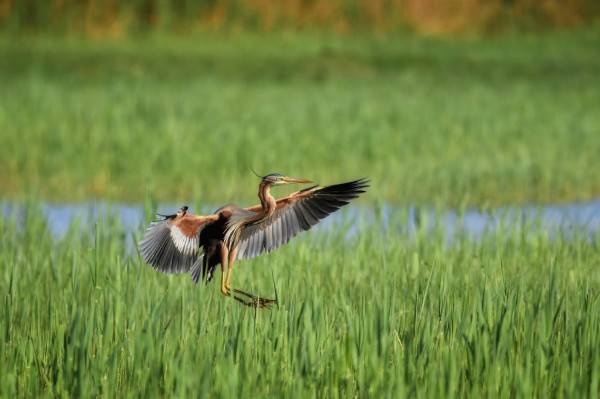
[564, 220]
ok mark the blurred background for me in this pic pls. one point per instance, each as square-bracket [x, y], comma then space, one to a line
[118, 18]
[442, 102]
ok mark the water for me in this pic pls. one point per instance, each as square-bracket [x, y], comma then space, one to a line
[564, 220]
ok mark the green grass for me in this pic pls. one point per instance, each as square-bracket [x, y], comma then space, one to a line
[450, 123]
[490, 121]
[381, 315]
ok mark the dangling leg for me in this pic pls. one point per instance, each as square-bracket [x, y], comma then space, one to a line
[230, 260]
[224, 252]
[256, 301]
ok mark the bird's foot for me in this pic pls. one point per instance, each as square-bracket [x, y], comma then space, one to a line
[254, 301]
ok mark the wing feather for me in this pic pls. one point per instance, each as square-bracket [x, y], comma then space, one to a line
[284, 230]
[294, 214]
[171, 243]
[196, 269]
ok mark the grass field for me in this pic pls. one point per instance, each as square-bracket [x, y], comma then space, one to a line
[505, 120]
[365, 308]
[377, 315]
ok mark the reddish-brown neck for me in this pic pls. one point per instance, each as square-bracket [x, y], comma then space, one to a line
[267, 201]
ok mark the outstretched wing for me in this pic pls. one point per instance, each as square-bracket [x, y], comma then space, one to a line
[171, 244]
[294, 214]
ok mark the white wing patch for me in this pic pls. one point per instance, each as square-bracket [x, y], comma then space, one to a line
[186, 245]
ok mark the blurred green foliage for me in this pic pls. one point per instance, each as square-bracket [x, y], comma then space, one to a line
[120, 18]
[505, 120]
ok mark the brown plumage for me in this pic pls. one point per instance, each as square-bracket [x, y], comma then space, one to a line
[184, 242]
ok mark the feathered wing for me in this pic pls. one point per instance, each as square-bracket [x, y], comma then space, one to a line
[196, 270]
[294, 214]
[171, 244]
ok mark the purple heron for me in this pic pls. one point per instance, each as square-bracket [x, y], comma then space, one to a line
[197, 244]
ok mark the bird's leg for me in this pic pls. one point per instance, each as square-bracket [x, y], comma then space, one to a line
[224, 252]
[231, 259]
[256, 300]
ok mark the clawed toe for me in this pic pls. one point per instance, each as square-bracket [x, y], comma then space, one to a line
[255, 301]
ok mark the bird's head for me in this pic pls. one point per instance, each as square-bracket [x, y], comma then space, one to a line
[276, 179]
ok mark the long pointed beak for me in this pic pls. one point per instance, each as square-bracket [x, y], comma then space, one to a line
[289, 180]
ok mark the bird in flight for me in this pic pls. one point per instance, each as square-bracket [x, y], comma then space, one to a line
[184, 242]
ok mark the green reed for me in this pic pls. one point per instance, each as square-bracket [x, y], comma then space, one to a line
[451, 122]
[378, 313]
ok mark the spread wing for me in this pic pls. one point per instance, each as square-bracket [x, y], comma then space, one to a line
[171, 244]
[294, 214]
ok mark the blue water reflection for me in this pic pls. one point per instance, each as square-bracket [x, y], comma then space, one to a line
[564, 220]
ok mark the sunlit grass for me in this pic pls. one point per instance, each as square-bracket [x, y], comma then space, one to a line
[372, 314]
[478, 122]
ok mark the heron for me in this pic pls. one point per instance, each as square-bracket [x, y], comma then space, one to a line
[184, 242]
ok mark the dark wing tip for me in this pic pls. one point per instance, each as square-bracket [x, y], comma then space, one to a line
[348, 190]
[183, 211]
[360, 184]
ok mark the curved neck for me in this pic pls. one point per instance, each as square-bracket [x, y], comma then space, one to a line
[267, 201]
